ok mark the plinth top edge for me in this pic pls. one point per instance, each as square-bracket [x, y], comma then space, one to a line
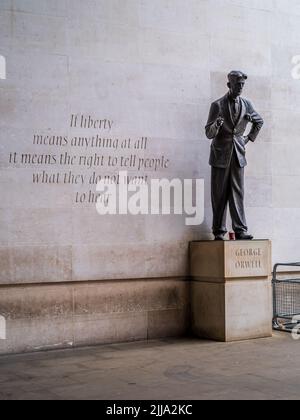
[227, 240]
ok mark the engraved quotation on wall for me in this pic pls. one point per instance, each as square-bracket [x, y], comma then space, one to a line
[89, 153]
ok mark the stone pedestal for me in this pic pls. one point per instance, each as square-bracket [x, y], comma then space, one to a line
[231, 289]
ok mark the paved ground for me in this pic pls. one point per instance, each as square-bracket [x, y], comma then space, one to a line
[164, 369]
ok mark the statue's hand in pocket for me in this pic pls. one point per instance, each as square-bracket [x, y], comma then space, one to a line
[246, 140]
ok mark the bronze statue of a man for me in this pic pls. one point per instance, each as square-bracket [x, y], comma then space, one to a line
[227, 123]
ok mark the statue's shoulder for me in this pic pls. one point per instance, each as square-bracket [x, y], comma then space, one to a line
[219, 101]
[247, 101]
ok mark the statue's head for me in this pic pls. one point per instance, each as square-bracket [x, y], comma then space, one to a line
[236, 82]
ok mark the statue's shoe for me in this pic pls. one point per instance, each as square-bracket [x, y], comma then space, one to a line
[219, 238]
[243, 237]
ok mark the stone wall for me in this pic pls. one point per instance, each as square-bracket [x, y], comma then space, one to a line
[80, 314]
[145, 69]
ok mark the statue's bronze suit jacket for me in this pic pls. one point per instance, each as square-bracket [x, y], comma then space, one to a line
[231, 135]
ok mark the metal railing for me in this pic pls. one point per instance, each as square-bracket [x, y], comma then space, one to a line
[286, 300]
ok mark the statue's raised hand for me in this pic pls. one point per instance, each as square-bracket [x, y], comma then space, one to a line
[220, 122]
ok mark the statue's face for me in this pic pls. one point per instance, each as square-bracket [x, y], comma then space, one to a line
[236, 87]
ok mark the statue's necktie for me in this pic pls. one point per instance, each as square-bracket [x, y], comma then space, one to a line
[236, 109]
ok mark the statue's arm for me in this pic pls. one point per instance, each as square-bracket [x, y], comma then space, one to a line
[213, 125]
[257, 123]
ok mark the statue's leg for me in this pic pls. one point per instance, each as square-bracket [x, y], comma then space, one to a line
[236, 196]
[220, 180]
